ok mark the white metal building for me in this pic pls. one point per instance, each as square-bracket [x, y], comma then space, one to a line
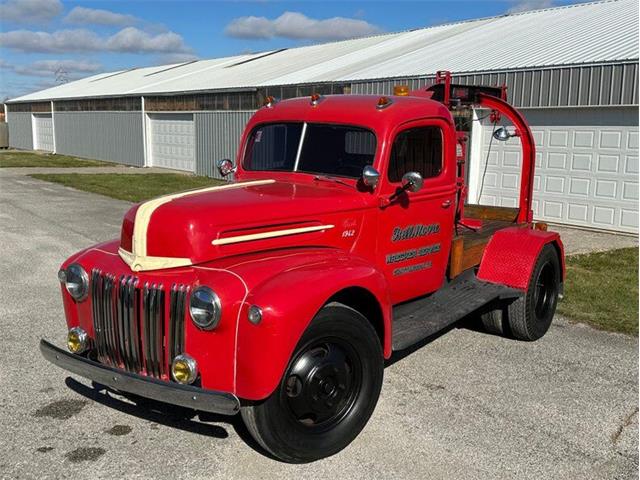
[572, 70]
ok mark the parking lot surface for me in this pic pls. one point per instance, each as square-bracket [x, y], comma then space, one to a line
[466, 405]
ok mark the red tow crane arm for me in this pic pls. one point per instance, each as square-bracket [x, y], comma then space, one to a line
[525, 213]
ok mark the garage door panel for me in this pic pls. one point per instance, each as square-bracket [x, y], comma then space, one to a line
[582, 162]
[585, 175]
[629, 219]
[583, 139]
[630, 191]
[631, 164]
[172, 141]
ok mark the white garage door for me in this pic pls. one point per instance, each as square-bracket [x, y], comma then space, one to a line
[172, 141]
[586, 167]
[42, 132]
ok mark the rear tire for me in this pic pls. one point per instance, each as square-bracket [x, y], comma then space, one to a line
[530, 316]
[492, 322]
[327, 393]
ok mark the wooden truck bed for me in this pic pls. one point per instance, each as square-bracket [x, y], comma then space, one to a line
[468, 245]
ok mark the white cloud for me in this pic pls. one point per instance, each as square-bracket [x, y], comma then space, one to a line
[526, 5]
[133, 40]
[127, 40]
[95, 16]
[44, 42]
[250, 27]
[298, 26]
[30, 11]
[48, 68]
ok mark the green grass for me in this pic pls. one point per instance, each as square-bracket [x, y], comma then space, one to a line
[130, 187]
[601, 290]
[33, 159]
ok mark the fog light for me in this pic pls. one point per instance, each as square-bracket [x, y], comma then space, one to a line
[184, 369]
[77, 340]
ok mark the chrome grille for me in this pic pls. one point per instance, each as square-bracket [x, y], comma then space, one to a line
[131, 330]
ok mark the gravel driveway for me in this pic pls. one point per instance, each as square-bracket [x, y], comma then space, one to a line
[466, 405]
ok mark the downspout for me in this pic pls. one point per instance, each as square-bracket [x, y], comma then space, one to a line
[144, 133]
[53, 128]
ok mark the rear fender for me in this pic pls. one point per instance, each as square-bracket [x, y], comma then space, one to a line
[511, 255]
[289, 301]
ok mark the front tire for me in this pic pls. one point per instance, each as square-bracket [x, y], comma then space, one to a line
[327, 393]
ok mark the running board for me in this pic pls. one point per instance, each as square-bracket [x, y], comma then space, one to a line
[418, 319]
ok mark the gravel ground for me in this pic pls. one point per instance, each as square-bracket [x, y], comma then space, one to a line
[466, 405]
[578, 240]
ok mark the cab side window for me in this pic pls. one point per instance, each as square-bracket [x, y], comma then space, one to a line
[416, 150]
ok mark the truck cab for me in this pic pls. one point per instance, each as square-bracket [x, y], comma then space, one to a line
[344, 236]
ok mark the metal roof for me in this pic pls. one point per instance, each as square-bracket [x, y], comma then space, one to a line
[599, 32]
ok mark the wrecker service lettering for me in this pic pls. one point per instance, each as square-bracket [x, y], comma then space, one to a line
[413, 253]
[412, 268]
[278, 296]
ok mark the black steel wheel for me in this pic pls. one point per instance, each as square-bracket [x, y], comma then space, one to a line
[328, 391]
[530, 316]
[322, 383]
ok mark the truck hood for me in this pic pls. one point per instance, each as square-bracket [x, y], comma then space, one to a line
[201, 225]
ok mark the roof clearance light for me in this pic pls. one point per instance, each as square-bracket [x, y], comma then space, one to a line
[315, 99]
[401, 90]
[269, 102]
[383, 102]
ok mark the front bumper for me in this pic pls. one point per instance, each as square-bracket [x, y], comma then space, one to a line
[184, 395]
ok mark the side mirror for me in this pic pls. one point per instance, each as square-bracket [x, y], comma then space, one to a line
[370, 176]
[226, 167]
[502, 134]
[412, 182]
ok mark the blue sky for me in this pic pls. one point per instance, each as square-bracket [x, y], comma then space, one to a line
[44, 42]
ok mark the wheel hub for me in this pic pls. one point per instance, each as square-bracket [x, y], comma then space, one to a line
[321, 384]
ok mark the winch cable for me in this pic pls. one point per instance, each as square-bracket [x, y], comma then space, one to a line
[486, 163]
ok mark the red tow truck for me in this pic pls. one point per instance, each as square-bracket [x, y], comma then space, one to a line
[344, 237]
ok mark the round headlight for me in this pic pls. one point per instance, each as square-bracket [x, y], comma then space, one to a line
[77, 340]
[76, 281]
[205, 308]
[184, 369]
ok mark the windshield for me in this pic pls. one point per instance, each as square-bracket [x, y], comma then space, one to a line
[324, 149]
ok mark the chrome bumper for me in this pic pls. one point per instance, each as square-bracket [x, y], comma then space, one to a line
[184, 395]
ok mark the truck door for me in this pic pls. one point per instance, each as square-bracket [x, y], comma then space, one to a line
[416, 228]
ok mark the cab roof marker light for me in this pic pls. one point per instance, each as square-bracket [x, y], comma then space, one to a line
[269, 102]
[401, 90]
[316, 98]
[383, 102]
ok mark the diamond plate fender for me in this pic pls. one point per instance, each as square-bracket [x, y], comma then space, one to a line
[511, 255]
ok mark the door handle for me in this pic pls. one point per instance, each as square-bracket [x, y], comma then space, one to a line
[446, 204]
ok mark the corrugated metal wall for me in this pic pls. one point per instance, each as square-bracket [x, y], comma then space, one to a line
[594, 85]
[111, 136]
[217, 136]
[20, 130]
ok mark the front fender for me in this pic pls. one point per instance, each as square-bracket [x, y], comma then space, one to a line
[511, 255]
[289, 300]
